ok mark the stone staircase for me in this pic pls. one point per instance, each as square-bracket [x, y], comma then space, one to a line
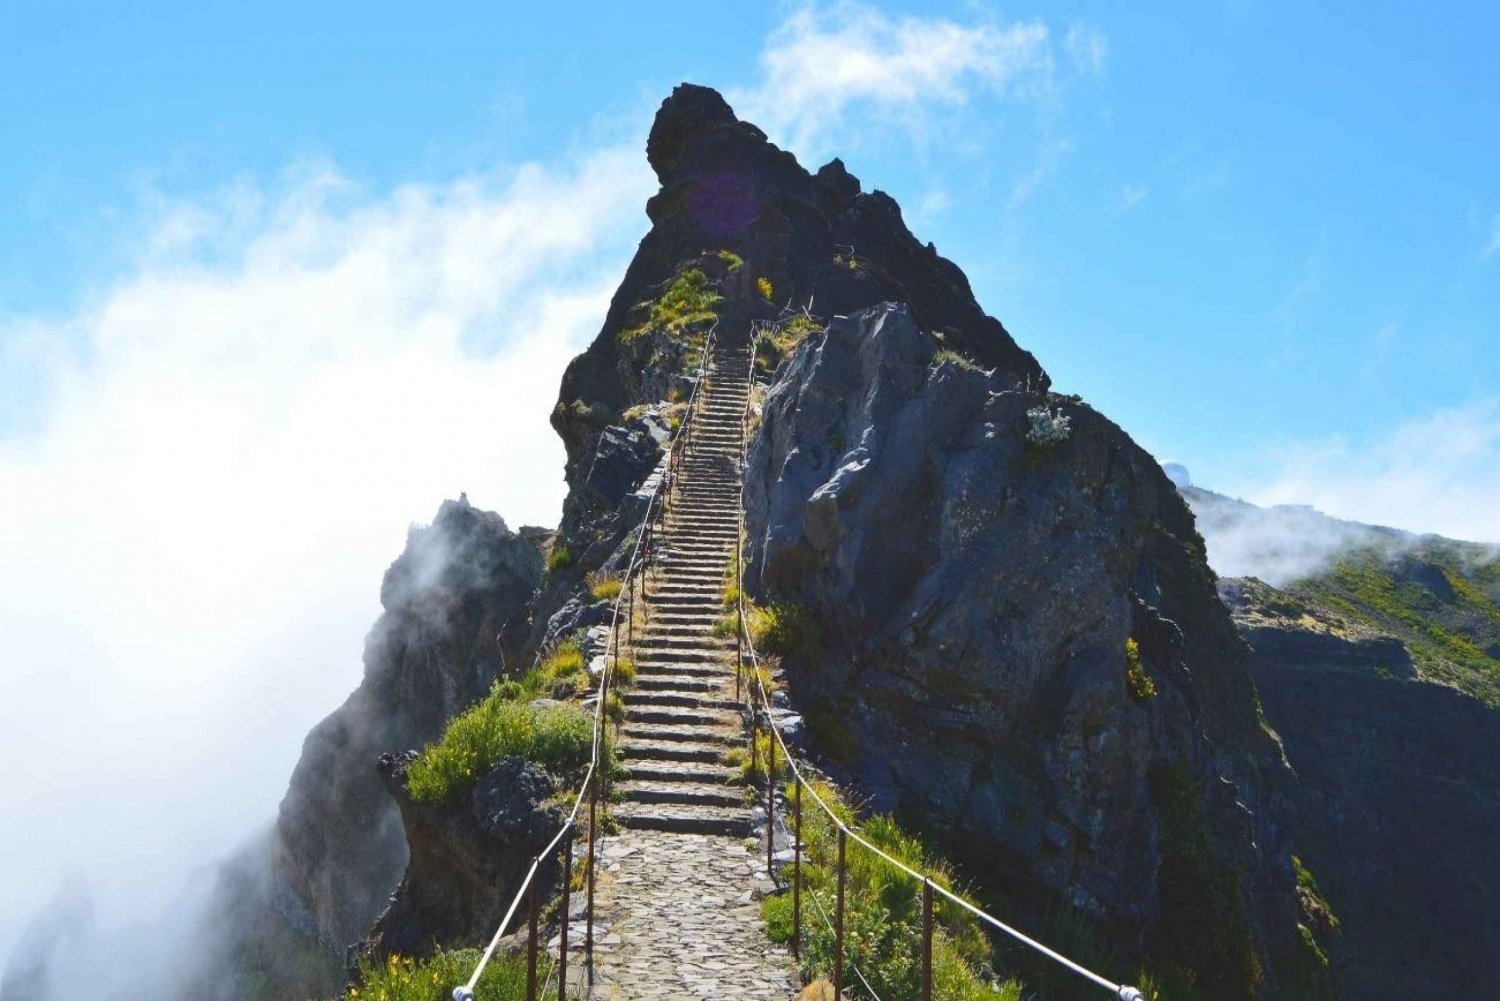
[680, 715]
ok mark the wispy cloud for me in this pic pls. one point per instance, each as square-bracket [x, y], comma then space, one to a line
[1494, 243]
[1131, 195]
[829, 64]
[1048, 158]
[1437, 473]
[1087, 47]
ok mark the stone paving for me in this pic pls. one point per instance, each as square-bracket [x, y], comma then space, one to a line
[678, 916]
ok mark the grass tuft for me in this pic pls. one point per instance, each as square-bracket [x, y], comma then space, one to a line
[559, 738]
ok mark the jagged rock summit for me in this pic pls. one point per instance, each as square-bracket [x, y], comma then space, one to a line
[1006, 629]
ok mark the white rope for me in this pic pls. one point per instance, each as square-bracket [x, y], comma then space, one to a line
[466, 992]
[1125, 992]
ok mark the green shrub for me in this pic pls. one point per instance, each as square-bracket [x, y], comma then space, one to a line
[1202, 946]
[604, 587]
[433, 979]
[883, 915]
[688, 304]
[1136, 679]
[786, 630]
[561, 558]
[732, 261]
[947, 356]
[559, 738]
[623, 672]
[763, 286]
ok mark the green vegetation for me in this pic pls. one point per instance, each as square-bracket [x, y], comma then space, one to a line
[559, 738]
[775, 343]
[561, 558]
[687, 306]
[785, 630]
[1202, 948]
[947, 356]
[623, 673]
[751, 768]
[883, 914]
[1441, 598]
[604, 587]
[846, 261]
[1136, 679]
[732, 261]
[405, 979]
[763, 286]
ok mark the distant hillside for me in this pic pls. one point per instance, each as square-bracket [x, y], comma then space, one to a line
[1439, 597]
[1377, 661]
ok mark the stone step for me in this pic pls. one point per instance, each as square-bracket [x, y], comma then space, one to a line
[675, 684]
[693, 715]
[670, 698]
[647, 668]
[677, 819]
[702, 641]
[686, 733]
[676, 751]
[697, 599]
[680, 793]
[647, 770]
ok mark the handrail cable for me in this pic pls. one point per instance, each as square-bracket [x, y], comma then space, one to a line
[679, 435]
[1125, 992]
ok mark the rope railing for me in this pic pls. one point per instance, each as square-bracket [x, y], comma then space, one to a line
[745, 644]
[637, 566]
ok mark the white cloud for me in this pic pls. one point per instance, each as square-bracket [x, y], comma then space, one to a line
[1131, 195]
[1438, 473]
[1087, 47]
[1494, 243]
[221, 455]
[827, 65]
[1048, 158]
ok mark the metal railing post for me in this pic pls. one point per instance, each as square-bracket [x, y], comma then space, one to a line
[531, 947]
[926, 940]
[770, 798]
[797, 869]
[593, 855]
[567, 893]
[838, 928]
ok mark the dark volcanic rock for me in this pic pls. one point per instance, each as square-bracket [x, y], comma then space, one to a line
[339, 847]
[975, 592]
[467, 858]
[1398, 797]
[725, 186]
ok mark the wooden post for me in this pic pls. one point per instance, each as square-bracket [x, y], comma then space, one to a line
[531, 945]
[838, 927]
[796, 870]
[562, 943]
[926, 940]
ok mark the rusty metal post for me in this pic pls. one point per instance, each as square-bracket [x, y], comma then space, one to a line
[797, 870]
[926, 940]
[531, 947]
[838, 927]
[593, 855]
[770, 797]
[567, 892]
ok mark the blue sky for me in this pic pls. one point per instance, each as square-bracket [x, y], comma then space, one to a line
[274, 281]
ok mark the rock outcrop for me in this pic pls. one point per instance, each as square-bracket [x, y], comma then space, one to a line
[467, 858]
[1397, 799]
[977, 580]
[339, 848]
[725, 187]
